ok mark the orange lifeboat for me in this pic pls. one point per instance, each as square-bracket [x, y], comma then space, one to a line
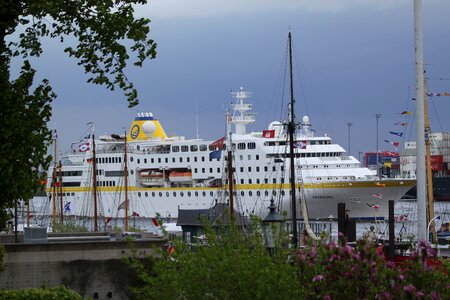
[180, 177]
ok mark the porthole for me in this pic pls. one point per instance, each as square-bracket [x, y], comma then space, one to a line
[131, 158]
[196, 194]
[258, 193]
[146, 194]
[266, 193]
[181, 194]
[189, 194]
[250, 193]
[160, 194]
[211, 193]
[167, 194]
[242, 193]
[174, 194]
[139, 194]
[204, 193]
[153, 194]
[274, 192]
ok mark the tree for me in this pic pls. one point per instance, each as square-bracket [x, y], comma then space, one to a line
[106, 34]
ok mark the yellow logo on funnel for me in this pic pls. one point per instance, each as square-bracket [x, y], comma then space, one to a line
[134, 131]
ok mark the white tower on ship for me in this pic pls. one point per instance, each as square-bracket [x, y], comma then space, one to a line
[244, 118]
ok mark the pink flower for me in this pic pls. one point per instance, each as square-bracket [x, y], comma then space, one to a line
[409, 289]
[327, 297]
[317, 278]
[420, 295]
[401, 277]
[435, 295]
[390, 265]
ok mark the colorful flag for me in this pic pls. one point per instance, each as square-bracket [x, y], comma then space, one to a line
[395, 144]
[300, 145]
[408, 113]
[374, 206]
[67, 207]
[84, 147]
[379, 195]
[401, 124]
[389, 153]
[155, 222]
[108, 219]
[437, 94]
[121, 206]
[135, 214]
[268, 133]
[215, 155]
[400, 134]
[217, 144]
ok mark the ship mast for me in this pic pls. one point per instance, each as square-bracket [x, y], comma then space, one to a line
[430, 196]
[230, 167]
[94, 179]
[291, 129]
[54, 178]
[61, 209]
[420, 124]
[125, 170]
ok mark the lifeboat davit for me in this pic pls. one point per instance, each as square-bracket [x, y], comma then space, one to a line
[180, 177]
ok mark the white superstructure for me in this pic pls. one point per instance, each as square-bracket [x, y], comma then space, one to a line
[171, 173]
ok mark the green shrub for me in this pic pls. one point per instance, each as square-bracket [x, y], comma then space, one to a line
[235, 265]
[56, 293]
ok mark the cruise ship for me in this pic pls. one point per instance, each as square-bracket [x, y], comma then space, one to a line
[166, 174]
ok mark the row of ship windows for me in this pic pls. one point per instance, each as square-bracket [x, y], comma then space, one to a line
[285, 143]
[211, 193]
[308, 154]
[203, 147]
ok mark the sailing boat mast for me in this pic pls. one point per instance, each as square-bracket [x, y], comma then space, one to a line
[291, 129]
[54, 180]
[61, 209]
[230, 166]
[125, 170]
[420, 124]
[430, 196]
[94, 179]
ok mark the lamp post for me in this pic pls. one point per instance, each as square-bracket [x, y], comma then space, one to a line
[349, 125]
[430, 237]
[378, 155]
[272, 228]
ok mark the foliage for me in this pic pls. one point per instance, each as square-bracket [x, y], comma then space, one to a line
[56, 293]
[235, 265]
[101, 36]
[335, 271]
[24, 136]
[69, 226]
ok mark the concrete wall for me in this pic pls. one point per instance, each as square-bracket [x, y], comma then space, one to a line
[92, 268]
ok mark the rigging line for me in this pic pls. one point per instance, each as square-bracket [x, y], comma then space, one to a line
[310, 96]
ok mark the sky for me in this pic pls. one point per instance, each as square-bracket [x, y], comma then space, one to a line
[352, 60]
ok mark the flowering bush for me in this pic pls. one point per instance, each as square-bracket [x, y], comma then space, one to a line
[339, 271]
[235, 265]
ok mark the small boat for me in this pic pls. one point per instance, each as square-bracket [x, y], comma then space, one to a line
[151, 178]
[180, 177]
